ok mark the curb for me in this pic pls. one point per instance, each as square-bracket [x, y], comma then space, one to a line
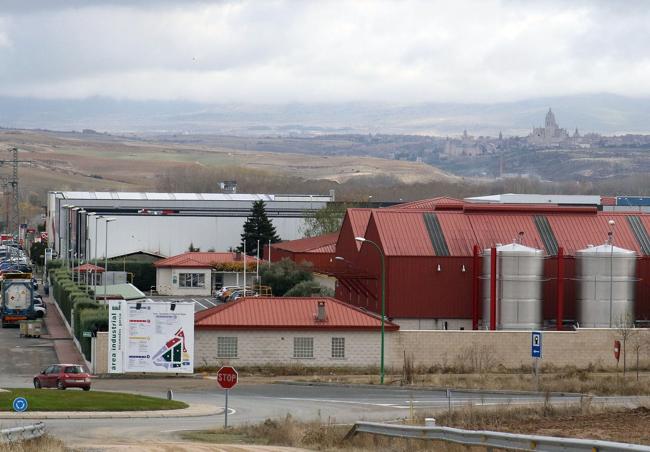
[195, 410]
[429, 388]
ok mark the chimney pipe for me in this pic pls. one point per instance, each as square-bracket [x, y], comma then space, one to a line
[320, 316]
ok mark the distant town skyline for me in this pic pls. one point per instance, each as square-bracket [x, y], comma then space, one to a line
[333, 51]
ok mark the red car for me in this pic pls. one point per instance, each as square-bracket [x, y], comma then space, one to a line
[62, 376]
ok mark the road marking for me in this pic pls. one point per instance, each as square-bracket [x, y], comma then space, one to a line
[199, 303]
[209, 301]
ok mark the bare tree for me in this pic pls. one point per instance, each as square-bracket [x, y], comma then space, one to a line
[626, 331]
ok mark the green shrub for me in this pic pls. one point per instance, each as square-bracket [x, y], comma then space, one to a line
[87, 319]
[79, 306]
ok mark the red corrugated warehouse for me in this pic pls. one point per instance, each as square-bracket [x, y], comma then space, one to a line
[431, 277]
[317, 251]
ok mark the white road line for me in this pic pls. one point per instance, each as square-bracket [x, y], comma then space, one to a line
[209, 301]
[199, 303]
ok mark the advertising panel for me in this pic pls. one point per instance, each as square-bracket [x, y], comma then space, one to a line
[157, 336]
[116, 311]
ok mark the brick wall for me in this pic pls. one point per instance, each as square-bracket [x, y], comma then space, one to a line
[260, 347]
[511, 348]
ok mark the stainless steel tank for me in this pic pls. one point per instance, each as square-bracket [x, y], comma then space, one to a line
[520, 271]
[606, 277]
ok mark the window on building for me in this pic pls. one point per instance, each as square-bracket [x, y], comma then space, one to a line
[338, 347]
[303, 347]
[226, 347]
[191, 280]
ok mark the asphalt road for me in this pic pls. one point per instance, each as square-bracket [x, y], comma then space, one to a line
[22, 358]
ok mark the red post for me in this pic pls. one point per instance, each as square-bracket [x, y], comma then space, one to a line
[493, 288]
[560, 288]
[476, 274]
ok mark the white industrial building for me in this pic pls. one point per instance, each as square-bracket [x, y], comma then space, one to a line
[165, 224]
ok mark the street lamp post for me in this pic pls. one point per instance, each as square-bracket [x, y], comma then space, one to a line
[108, 220]
[80, 255]
[383, 302]
[98, 217]
[610, 240]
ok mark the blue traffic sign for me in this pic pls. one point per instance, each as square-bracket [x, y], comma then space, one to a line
[536, 344]
[20, 404]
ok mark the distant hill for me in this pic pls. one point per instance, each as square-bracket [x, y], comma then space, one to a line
[602, 113]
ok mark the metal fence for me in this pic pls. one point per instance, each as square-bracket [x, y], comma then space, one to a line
[10, 435]
[508, 441]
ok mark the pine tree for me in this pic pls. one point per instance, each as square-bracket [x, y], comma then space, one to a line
[257, 227]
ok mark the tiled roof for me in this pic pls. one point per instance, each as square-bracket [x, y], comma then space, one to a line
[322, 244]
[288, 313]
[199, 259]
[85, 268]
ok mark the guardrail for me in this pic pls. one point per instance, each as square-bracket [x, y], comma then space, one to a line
[508, 441]
[10, 435]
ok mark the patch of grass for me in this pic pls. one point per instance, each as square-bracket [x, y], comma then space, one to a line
[44, 443]
[77, 400]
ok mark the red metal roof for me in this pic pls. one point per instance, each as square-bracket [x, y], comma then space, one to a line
[432, 204]
[402, 232]
[575, 232]
[87, 268]
[458, 233]
[359, 221]
[322, 244]
[200, 259]
[288, 313]
[491, 229]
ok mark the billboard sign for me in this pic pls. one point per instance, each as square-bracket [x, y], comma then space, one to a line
[157, 336]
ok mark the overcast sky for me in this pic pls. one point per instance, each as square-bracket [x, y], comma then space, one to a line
[306, 51]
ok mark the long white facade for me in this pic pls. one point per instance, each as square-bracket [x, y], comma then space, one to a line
[165, 224]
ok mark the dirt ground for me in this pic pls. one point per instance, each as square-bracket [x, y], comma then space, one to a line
[631, 426]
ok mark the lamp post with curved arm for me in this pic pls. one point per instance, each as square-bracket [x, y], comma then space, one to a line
[383, 302]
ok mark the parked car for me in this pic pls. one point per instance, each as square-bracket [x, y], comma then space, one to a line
[225, 291]
[62, 376]
[236, 294]
[39, 307]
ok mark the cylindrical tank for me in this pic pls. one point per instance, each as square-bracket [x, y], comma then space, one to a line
[520, 271]
[606, 277]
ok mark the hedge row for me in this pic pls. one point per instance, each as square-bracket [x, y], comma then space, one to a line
[74, 301]
[144, 273]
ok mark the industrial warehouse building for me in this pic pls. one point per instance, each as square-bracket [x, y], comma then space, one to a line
[165, 224]
[438, 265]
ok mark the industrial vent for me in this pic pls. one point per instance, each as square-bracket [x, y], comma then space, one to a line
[435, 234]
[546, 233]
[640, 233]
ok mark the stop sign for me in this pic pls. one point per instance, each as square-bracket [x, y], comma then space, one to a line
[227, 377]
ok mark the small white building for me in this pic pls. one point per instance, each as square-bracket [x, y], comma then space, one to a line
[258, 331]
[200, 273]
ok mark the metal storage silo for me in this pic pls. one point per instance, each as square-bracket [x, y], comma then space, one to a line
[606, 279]
[520, 271]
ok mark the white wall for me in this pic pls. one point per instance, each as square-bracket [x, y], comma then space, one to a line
[172, 235]
[167, 282]
[269, 347]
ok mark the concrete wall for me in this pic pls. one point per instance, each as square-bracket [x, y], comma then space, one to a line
[510, 349]
[433, 324]
[268, 347]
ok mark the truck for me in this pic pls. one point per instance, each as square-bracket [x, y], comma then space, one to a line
[17, 292]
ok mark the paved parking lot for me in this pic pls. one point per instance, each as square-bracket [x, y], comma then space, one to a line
[200, 304]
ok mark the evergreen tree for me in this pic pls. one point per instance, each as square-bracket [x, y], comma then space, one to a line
[257, 227]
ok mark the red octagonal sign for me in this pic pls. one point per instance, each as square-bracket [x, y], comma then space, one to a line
[227, 377]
